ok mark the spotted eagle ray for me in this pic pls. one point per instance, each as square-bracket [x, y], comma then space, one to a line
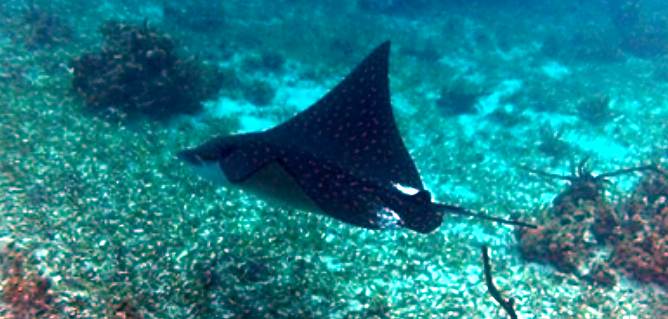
[342, 157]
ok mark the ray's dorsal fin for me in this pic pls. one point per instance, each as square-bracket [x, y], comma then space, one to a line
[353, 126]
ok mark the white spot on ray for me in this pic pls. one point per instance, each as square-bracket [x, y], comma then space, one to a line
[406, 189]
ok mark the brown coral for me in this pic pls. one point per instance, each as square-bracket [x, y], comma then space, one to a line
[138, 71]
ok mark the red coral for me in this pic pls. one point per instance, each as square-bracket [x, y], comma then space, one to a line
[641, 250]
[637, 231]
[562, 241]
[602, 274]
[126, 310]
[26, 294]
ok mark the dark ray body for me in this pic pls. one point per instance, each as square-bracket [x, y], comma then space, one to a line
[343, 157]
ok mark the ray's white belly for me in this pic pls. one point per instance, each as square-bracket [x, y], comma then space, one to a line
[271, 183]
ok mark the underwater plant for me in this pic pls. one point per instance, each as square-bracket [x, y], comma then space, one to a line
[139, 71]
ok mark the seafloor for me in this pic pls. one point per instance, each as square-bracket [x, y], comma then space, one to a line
[98, 219]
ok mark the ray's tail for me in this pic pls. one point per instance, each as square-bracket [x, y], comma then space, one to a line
[450, 209]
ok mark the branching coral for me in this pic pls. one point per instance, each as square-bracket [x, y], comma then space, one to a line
[583, 184]
[506, 304]
[138, 71]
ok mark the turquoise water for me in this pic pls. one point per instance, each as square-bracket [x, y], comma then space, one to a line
[100, 219]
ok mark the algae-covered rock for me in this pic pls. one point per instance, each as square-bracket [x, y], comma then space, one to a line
[139, 71]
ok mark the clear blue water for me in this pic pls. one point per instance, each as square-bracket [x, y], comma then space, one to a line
[100, 219]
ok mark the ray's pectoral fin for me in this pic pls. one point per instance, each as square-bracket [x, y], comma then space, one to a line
[242, 163]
